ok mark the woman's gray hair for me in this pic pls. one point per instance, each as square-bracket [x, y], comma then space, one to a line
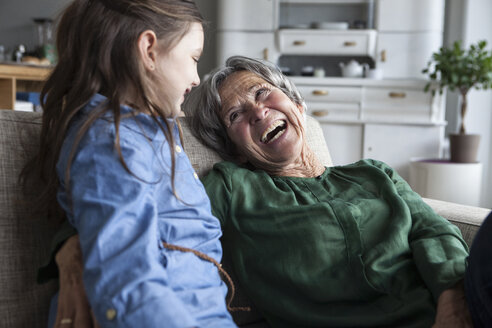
[202, 106]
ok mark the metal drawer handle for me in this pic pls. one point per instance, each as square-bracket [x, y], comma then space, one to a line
[350, 43]
[299, 43]
[320, 92]
[320, 113]
[383, 56]
[397, 94]
[265, 54]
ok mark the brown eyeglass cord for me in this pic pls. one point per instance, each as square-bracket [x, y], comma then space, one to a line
[221, 271]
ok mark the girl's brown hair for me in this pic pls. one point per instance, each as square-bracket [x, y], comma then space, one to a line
[97, 53]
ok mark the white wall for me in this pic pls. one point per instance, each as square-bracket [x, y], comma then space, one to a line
[478, 26]
[16, 25]
[469, 20]
[208, 8]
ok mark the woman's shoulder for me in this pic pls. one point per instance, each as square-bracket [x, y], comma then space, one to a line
[227, 172]
[364, 163]
[238, 171]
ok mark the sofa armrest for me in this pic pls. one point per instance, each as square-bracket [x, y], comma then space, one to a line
[467, 218]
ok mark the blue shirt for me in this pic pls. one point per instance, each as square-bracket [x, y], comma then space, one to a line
[123, 218]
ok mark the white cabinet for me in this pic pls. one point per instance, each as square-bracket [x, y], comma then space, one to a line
[393, 144]
[332, 103]
[331, 93]
[397, 144]
[401, 104]
[321, 42]
[404, 55]
[344, 141]
[391, 119]
[409, 31]
[240, 43]
[406, 32]
[247, 15]
[409, 15]
[388, 120]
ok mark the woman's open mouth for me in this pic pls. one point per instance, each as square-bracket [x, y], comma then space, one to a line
[274, 131]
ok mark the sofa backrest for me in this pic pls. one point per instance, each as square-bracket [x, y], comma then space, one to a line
[25, 242]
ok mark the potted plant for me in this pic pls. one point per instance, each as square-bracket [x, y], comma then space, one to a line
[461, 70]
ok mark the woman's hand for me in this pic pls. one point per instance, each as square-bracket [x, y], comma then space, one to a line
[452, 309]
[73, 307]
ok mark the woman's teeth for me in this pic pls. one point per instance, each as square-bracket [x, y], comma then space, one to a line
[273, 132]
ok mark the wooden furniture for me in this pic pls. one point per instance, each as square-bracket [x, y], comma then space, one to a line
[18, 77]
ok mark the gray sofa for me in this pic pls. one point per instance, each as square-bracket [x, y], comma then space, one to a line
[25, 241]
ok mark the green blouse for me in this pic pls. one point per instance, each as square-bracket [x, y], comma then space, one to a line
[354, 247]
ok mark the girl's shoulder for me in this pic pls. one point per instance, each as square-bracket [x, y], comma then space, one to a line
[131, 125]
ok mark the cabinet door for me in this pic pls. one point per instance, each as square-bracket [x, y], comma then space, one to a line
[409, 15]
[247, 15]
[250, 44]
[397, 144]
[404, 55]
[344, 142]
[299, 42]
[398, 104]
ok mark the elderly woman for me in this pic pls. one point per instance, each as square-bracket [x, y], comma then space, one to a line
[348, 246]
[315, 246]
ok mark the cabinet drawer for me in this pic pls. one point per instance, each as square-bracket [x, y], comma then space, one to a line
[397, 104]
[316, 42]
[331, 94]
[326, 112]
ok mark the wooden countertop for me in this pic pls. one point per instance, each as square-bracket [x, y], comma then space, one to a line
[24, 71]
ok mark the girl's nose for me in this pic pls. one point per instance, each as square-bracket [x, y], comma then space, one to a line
[196, 80]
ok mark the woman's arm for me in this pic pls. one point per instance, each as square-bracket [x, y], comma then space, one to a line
[452, 309]
[438, 248]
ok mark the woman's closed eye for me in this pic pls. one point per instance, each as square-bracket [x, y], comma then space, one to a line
[261, 92]
[234, 115]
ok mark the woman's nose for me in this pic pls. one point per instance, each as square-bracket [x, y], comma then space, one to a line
[257, 113]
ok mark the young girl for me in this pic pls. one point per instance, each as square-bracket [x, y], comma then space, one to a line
[110, 155]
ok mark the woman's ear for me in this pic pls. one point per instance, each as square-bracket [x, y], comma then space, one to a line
[147, 49]
[301, 108]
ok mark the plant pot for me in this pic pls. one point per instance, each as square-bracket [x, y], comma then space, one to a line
[464, 147]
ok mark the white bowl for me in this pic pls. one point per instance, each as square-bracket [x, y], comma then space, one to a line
[330, 25]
